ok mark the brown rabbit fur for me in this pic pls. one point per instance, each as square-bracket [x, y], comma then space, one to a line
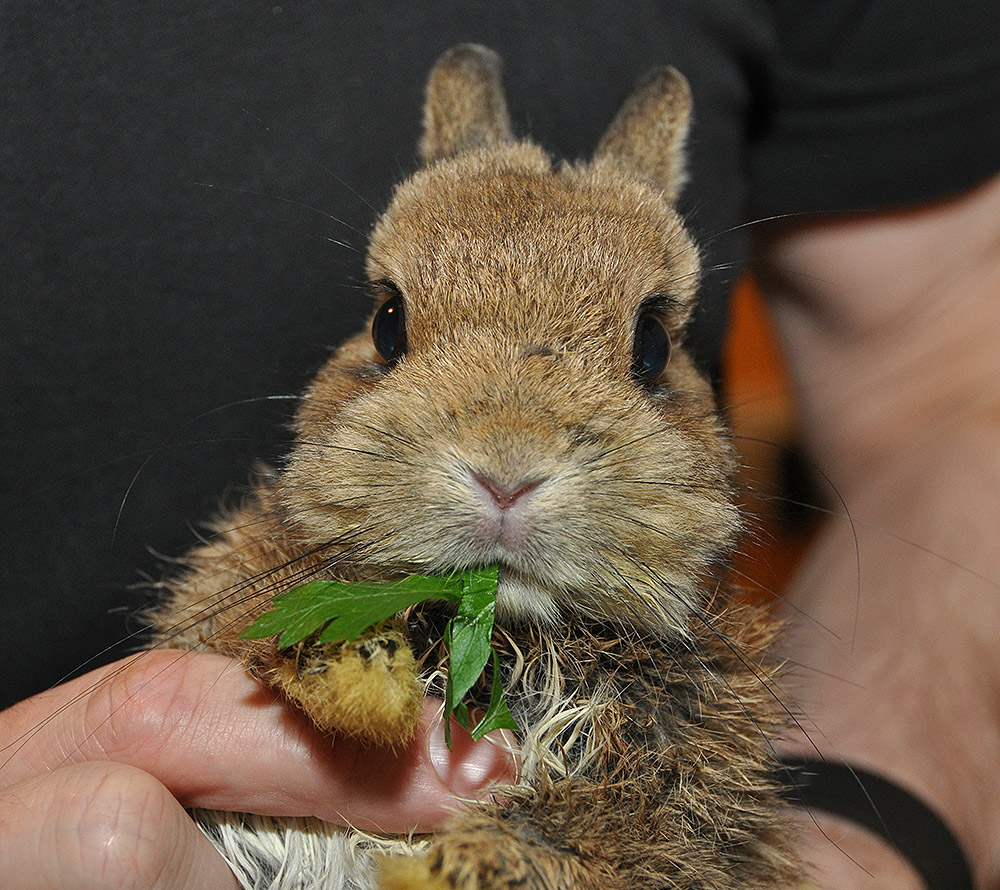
[516, 428]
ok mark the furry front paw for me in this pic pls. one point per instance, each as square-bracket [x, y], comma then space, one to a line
[366, 688]
[410, 873]
[488, 858]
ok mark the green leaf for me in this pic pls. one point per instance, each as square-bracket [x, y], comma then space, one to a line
[343, 610]
[498, 715]
[468, 639]
[480, 581]
[469, 646]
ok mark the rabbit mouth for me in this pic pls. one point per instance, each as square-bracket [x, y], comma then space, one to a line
[503, 517]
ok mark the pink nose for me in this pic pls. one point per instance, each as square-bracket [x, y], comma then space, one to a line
[505, 496]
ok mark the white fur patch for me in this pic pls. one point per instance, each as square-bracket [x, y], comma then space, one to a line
[269, 853]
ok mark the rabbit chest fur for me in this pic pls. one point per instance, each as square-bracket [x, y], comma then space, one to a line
[524, 400]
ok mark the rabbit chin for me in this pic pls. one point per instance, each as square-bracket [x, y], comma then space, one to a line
[522, 599]
[525, 599]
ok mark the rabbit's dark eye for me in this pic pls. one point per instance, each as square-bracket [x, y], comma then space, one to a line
[389, 328]
[650, 349]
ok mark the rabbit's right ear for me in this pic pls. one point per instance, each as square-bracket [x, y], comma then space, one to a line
[649, 133]
[466, 107]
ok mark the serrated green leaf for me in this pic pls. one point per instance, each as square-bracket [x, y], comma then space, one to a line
[480, 581]
[498, 715]
[470, 642]
[343, 610]
[468, 638]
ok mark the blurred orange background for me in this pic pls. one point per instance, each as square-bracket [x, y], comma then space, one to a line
[759, 403]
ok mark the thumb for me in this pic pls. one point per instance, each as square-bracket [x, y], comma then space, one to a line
[91, 826]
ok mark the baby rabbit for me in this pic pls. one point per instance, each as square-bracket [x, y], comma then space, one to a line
[522, 399]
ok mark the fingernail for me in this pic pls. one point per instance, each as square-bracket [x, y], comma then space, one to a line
[471, 768]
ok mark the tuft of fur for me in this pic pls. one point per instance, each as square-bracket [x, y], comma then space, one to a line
[513, 430]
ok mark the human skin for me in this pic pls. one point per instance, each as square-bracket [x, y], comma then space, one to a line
[891, 326]
[95, 774]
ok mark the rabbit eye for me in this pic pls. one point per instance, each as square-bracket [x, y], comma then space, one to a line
[650, 349]
[389, 328]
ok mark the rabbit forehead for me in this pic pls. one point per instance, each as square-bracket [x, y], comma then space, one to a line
[501, 239]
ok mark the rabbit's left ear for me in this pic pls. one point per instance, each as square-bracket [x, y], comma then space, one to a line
[466, 107]
[649, 133]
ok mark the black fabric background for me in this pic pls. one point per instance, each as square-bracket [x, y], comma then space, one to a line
[866, 105]
[185, 190]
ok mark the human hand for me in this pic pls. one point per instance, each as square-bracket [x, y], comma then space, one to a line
[95, 774]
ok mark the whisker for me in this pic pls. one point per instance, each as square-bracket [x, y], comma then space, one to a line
[773, 594]
[242, 190]
[846, 513]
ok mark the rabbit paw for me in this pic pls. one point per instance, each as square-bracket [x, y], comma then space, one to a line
[365, 688]
[486, 858]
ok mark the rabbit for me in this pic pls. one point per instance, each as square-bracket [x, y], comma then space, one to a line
[521, 398]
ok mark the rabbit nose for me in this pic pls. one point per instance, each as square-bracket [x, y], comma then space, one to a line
[505, 496]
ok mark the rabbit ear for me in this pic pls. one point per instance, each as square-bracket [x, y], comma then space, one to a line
[648, 134]
[466, 107]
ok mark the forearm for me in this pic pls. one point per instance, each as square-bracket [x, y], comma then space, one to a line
[899, 649]
[891, 324]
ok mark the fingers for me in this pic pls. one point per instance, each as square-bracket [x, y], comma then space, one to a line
[217, 739]
[98, 825]
[145, 708]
